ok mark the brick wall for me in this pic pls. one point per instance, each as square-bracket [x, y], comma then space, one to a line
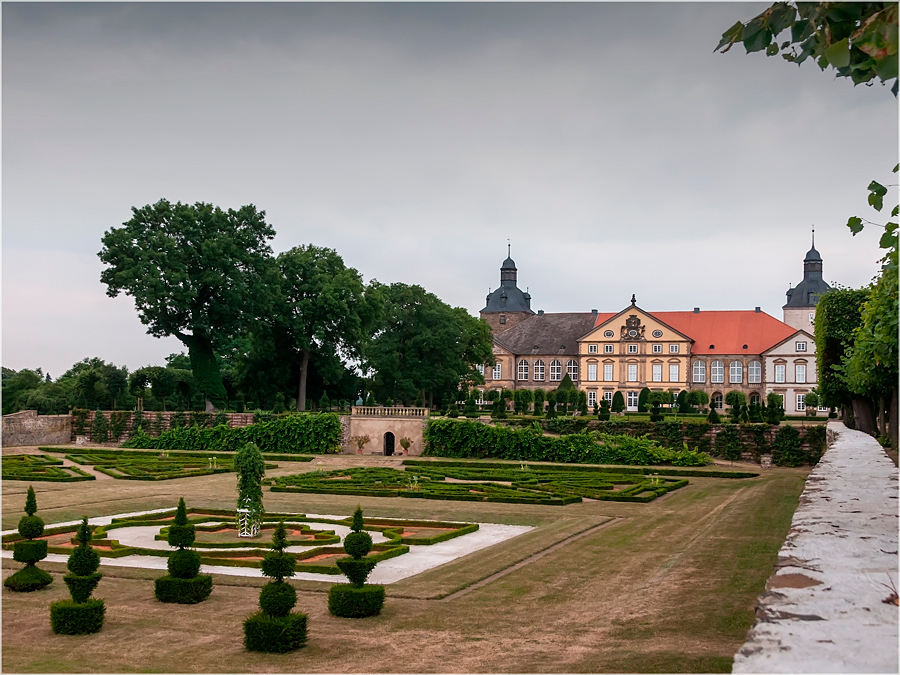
[155, 422]
[26, 427]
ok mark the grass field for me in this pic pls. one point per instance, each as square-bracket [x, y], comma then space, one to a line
[667, 586]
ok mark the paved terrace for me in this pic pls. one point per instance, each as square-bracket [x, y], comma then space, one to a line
[824, 610]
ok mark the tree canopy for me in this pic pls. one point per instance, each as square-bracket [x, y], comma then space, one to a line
[857, 39]
[196, 272]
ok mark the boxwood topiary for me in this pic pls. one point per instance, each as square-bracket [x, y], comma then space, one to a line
[183, 591]
[184, 564]
[275, 628]
[81, 614]
[183, 585]
[30, 578]
[356, 600]
[358, 544]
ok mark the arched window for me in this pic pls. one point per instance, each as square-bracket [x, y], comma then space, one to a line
[539, 370]
[754, 399]
[699, 371]
[572, 369]
[523, 369]
[736, 372]
[754, 372]
[717, 401]
[555, 371]
[717, 372]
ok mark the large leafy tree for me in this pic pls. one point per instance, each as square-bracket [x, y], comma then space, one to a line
[324, 308]
[857, 39]
[424, 346]
[197, 272]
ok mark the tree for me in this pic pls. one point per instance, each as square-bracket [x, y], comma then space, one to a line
[196, 272]
[250, 469]
[618, 402]
[183, 584]
[30, 551]
[82, 614]
[323, 306]
[812, 402]
[539, 397]
[643, 399]
[424, 345]
[857, 39]
[356, 599]
[774, 408]
[737, 400]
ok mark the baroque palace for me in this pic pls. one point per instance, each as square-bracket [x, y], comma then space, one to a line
[603, 352]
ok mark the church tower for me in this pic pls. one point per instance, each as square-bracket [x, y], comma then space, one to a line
[800, 308]
[507, 306]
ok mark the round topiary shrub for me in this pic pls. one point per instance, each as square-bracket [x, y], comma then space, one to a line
[81, 614]
[31, 527]
[181, 536]
[83, 561]
[184, 563]
[358, 544]
[277, 598]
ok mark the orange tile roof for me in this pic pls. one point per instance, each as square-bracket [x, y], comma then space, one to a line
[724, 331]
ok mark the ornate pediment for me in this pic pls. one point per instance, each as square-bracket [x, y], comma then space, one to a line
[632, 330]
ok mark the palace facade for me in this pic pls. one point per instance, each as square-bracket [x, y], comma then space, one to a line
[603, 352]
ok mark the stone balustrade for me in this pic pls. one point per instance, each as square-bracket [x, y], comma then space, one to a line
[373, 411]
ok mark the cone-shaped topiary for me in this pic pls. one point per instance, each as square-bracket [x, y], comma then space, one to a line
[183, 584]
[275, 628]
[356, 600]
[29, 578]
[82, 614]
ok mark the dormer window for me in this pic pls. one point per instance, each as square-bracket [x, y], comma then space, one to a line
[503, 316]
[801, 346]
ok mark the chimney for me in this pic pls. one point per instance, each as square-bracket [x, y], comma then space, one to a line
[696, 310]
[756, 310]
[540, 312]
[593, 312]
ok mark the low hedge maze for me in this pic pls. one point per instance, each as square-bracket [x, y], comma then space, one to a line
[41, 468]
[126, 465]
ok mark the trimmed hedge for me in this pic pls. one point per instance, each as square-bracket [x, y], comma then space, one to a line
[316, 434]
[352, 602]
[30, 550]
[183, 591]
[562, 467]
[41, 468]
[77, 618]
[274, 634]
[28, 579]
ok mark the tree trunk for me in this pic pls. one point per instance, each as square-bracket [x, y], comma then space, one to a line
[892, 419]
[205, 370]
[882, 429]
[847, 416]
[301, 390]
[863, 416]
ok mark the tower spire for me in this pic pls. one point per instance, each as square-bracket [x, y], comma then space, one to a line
[508, 249]
[814, 235]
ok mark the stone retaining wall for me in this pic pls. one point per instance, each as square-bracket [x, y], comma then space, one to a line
[156, 422]
[26, 427]
[823, 610]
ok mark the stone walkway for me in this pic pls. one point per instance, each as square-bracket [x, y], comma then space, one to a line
[824, 610]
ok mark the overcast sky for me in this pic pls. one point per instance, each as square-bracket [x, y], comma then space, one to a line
[607, 141]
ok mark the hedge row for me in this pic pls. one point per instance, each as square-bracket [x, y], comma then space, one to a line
[562, 467]
[41, 468]
[311, 433]
[463, 438]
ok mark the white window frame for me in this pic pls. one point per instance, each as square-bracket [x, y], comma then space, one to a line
[572, 369]
[673, 349]
[592, 372]
[699, 372]
[632, 349]
[607, 372]
[657, 349]
[717, 401]
[592, 399]
[754, 372]
[800, 373]
[523, 369]
[608, 333]
[736, 372]
[674, 372]
[592, 349]
[608, 349]
[632, 372]
[480, 368]
[717, 372]
[801, 402]
[608, 395]
[632, 399]
[656, 372]
[800, 346]
[555, 370]
[498, 371]
[538, 371]
[779, 373]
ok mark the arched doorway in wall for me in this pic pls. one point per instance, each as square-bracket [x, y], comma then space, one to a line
[388, 444]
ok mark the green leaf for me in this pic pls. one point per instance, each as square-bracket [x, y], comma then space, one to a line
[888, 240]
[877, 191]
[772, 49]
[730, 36]
[782, 16]
[838, 54]
[855, 224]
[895, 212]
[886, 68]
[801, 30]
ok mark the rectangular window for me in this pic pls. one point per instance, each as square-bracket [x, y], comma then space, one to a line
[673, 372]
[592, 372]
[657, 349]
[717, 372]
[657, 372]
[632, 400]
[812, 317]
[801, 402]
[632, 349]
[736, 372]
[608, 349]
[539, 370]
[801, 346]
[607, 372]
[673, 349]
[607, 395]
[592, 349]
[632, 372]
[592, 399]
[754, 372]
[555, 371]
[779, 373]
[498, 371]
[801, 373]
[699, 371]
